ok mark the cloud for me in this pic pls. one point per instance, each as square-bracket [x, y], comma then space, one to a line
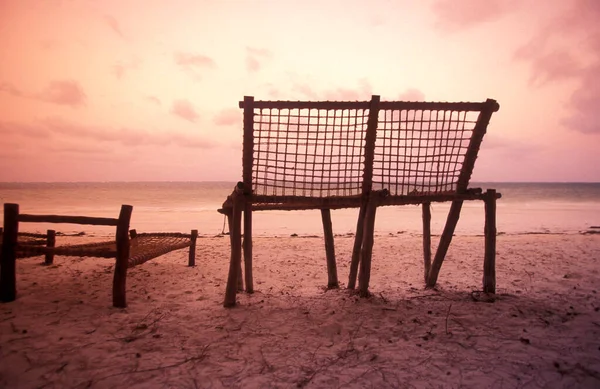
[122, 67]
[184, 110]
[412, 94]
[114, 25]
[12, 129]
[255, 57]
[66, 92]
[305, 90]
[228, 117]
[10, 89]
[455, 15]
[154, 100]
[126, 136]
[567, 47]
[363, 92]
[190, 61]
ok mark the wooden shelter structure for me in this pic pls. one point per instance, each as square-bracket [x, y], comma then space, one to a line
[325, 155]
[129, 249]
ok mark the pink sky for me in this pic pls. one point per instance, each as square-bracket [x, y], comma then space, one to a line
[146, 90]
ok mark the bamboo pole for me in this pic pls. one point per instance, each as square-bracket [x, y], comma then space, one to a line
[489, 262]
[248, 247]
[8, 275]
[332, 278]
[50, 243]
[122, 238]
[367, 246]
[445, 239]
[427, 238]
[192, 254]
[236, 250]
[357, 246]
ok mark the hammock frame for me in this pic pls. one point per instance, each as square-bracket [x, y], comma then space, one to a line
[301, 155]
[129, 249]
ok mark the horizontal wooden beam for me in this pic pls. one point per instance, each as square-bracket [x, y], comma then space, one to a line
[309, 104]
[96, 221]
[383, 105]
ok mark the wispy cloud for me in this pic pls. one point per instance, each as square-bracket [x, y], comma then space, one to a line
[567, 47]
[9, 88]
[455, 15]
[154, 100]
[74, 133]
[185, 110]
[121, 68]
[62, 92]
[65, 92]
[113, 24]
[191, 60]
[363, 92]
[255, 58]
[412, 94]
[228, 117]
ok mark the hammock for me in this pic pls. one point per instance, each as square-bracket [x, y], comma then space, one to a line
[143, 247]
[129, 250]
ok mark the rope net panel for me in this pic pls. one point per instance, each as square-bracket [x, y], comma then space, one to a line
[144, 247]
[421, 152]
[308, 152]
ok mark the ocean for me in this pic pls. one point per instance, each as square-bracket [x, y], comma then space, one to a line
[525, 208]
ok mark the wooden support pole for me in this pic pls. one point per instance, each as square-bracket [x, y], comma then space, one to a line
[445, 239]
[8, 271]
[427, 238]
[489, 262]
[192, 255]
[332, 278]
[132, 234]
[120, 277]
[367, 246]
[236, 251]
[50, 243]
[248, 247]
[357, 246]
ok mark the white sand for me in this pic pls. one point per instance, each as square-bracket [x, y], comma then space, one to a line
[542, 331]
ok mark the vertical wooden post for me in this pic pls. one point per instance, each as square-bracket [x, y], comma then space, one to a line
[427, 237]
[248, 247]
[367, 187]
[50, 243]
[358, 238]
[445, 239]
[192, 255]
[133, 234]
[332, 278]
[489, 262]
[367, 246]
[122, 238]
[8, 271]
[236, 250]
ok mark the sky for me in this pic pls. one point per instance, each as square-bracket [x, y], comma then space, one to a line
[148, 90]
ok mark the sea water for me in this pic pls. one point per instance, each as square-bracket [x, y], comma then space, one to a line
[563, 208]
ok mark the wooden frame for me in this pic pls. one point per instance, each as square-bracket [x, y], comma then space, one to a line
[119, 249]
[245, 200]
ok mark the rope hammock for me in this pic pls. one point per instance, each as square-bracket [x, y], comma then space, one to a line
[129, 249]
[143, 247]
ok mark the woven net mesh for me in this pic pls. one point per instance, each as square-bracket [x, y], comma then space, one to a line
[308, 152]
[420, 152]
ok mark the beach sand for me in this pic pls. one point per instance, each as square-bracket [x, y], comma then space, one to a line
[541, 331]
